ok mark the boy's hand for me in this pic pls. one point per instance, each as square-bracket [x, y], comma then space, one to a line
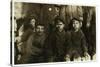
[19, 57]
[18, 39]
[86, 56]
[19, 46]
[67, 58]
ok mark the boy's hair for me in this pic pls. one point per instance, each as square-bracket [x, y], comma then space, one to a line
[75, 19]
[33, 18]
[57, 19]
[79, 20]
[40, 25]
[71, 22]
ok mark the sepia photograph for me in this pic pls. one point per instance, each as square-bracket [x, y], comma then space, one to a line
[49, 33]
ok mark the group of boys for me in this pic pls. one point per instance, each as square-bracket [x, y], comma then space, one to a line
[58, 46]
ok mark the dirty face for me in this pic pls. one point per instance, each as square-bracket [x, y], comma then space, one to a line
[60, 26]
[40, 29]
[76, 24]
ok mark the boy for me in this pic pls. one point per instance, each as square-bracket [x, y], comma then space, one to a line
[34, 46]
[78, 46]
[55, 43]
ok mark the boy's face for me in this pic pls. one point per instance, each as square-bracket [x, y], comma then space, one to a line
[60, 25]
[40, 29]
[33, 22]
[76, 24]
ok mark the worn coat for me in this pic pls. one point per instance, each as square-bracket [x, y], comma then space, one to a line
[55, 46]
[77, 45]
[34, 48]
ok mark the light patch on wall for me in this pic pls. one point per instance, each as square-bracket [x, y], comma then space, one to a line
[18, 10]
[50, 9]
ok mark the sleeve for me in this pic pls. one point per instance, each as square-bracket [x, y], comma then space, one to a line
[84, 43]
[48, 49]
[26, 35]
[29, 45]
[68, 42]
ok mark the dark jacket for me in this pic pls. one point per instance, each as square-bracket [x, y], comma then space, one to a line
[24, 39]
[77, 43]
[55, 45]
[34, 48]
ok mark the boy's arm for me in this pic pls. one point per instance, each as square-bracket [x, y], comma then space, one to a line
[68, 41]
[26, 35]
[48, 48]
[84, 46]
